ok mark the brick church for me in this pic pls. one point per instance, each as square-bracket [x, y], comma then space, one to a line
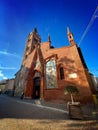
[45, 71]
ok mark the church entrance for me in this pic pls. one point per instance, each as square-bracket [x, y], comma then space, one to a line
[36, 88]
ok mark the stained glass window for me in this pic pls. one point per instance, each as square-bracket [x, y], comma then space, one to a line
[51, 75]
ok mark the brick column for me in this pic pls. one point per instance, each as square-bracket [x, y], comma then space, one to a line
[42, 88]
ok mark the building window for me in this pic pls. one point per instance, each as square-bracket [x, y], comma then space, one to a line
[51, 75]
[27, 48]
[26, 56]
[35, 41]
[70, 37]
[61, 73]
[29, 39]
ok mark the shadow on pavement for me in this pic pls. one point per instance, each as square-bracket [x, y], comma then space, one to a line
[13, 108]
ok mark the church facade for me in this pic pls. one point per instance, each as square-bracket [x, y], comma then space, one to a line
[45, 71]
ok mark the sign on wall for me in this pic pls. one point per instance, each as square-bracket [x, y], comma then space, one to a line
[51, 75]
[73, 75]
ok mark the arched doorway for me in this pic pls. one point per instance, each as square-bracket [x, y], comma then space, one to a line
[36, 88]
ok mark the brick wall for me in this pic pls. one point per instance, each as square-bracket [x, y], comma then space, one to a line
[74, 71]
[69, 57]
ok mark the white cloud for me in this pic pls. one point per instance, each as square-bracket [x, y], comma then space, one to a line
[7, 68]
[2, 75]
[9, 54]
[5, 77]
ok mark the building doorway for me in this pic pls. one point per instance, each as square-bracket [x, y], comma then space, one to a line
[36, 88]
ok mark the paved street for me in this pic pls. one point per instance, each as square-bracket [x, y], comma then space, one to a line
[13, 108]
[19, 115]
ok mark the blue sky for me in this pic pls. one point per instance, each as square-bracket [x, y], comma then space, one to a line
[19, 17]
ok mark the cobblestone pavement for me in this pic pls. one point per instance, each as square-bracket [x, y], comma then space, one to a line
[16, 114]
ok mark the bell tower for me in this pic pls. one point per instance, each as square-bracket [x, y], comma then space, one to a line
[32, 42]
[70, 37]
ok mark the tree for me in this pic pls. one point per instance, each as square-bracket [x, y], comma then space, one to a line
[71, 89]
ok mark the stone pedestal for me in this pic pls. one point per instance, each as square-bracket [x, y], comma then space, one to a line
[75, 111]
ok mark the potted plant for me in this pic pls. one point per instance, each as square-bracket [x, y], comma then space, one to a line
[74, 108]
[72, 90]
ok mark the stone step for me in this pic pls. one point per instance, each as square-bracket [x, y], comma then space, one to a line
[38, 102]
